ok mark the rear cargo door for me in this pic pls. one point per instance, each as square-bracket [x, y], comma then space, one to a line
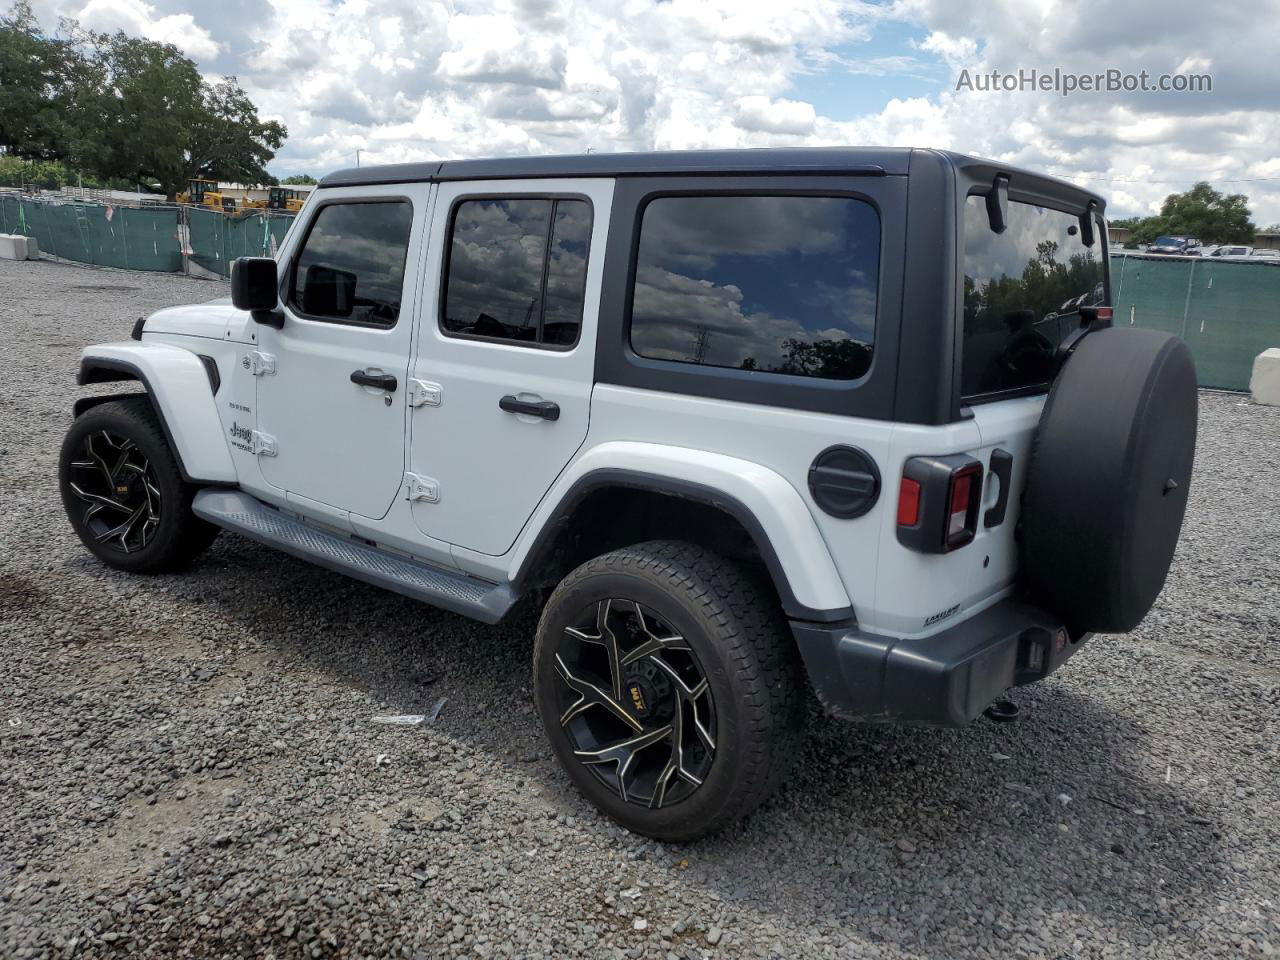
[1023, 289]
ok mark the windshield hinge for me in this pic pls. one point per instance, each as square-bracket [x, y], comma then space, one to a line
[261, 364]
[264, 445]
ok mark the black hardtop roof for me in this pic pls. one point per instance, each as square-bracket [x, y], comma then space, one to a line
[836, 160]
[858, 161]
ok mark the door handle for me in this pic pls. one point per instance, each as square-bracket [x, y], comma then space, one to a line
[546, 409]
[382, 381]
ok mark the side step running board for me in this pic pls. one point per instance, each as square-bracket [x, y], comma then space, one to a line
[450, 590]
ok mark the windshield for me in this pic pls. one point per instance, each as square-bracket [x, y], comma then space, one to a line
[1169, 241]
[1022, 292]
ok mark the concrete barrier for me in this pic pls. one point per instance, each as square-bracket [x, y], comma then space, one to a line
[1265, 382]
[33, 248]
[12, 247]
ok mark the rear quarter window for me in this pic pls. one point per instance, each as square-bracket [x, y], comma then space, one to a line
[776, 284]
[1022, 289]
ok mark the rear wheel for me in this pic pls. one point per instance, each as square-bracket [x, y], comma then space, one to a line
[123, 491]
[668, 687]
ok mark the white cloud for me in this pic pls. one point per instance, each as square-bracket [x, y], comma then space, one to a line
[759, 113]
[424, 79]
[141, 19]
[493, 49]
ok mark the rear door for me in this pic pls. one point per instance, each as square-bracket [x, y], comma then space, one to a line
[505, 358]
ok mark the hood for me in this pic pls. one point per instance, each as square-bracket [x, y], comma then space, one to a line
[216, 320]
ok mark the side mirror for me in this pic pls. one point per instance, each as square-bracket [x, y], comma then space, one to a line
[998, 204]
[254, 287]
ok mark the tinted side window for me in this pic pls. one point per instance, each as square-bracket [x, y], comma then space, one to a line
[780, 284]
[1020, 288]
[517, 269]
[351, 266]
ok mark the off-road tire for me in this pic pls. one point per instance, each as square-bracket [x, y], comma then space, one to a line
[179, 536]
[1108, 479]
[736, 631]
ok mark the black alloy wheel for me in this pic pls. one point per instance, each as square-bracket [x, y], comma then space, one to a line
[118, 490]
[635, 703]
[669, 687]
[124, 492]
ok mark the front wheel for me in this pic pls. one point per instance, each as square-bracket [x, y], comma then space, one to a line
[123, 491]
[668, 687]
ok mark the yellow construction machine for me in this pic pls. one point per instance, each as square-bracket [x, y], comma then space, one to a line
[206, 193]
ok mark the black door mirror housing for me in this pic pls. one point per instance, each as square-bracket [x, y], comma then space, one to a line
[255, 287]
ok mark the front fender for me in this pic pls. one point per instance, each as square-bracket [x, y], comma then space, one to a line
[766, 504]
[180, 391]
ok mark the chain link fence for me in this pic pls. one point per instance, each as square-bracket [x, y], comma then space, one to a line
[1228, 312]
[216, 240]
[167, 238]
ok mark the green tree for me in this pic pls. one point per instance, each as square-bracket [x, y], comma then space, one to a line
[146, 98]
[229, 141]
[124, 108]
[1201, 212]
[34, 88]
[299, 178]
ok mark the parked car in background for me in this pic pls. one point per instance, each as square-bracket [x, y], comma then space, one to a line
[1234, 252]
[1187, 246]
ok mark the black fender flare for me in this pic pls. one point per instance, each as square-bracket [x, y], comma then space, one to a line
[618, 477]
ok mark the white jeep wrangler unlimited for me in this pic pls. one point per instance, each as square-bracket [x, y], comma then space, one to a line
[747, 416]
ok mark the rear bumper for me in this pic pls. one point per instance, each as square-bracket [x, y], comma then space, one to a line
[945, 679]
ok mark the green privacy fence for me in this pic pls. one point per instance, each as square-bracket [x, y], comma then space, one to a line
[1228, 312]
[143, 238]
[137, 238]
[217, 239]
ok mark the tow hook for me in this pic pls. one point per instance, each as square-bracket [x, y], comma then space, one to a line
[1003, 711]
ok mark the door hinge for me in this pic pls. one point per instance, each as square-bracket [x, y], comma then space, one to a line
[262, 364]
[422, 488]
[423, 393]
[264, 445]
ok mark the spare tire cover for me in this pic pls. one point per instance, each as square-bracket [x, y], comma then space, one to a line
[1108, 479]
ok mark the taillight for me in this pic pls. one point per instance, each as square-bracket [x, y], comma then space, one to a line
[938, 502]
[962, 505]
[908, 503]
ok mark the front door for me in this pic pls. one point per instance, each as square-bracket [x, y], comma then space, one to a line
[506, 352]
[331, 394]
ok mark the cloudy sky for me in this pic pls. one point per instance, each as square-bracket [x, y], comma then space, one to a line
[419, 79]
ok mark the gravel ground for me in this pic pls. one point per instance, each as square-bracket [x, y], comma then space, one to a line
[188, 767]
